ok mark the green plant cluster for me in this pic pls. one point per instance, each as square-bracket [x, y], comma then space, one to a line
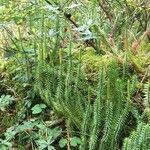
[74, 75]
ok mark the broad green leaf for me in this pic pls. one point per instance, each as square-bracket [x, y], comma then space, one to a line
[75, 141]
[42, 105]
[42, 144]
[62, 143]
[50, 147]
[38, 108]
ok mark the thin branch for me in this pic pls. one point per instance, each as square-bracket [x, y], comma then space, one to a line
[89, 42]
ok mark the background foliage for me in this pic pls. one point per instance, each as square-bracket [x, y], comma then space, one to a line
[74, 74]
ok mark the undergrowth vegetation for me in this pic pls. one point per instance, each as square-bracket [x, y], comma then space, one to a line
[75, 75]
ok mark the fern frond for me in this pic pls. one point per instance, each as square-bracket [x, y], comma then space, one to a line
[97, 114]
[86, 128]
[105, 141]
[146, 92]
[139, 139]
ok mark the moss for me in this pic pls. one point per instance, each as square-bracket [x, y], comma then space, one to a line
[2, 65]
[145, 46]
[140, 62]
[91, 62]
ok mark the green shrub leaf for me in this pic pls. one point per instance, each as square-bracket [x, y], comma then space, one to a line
[62, 143]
